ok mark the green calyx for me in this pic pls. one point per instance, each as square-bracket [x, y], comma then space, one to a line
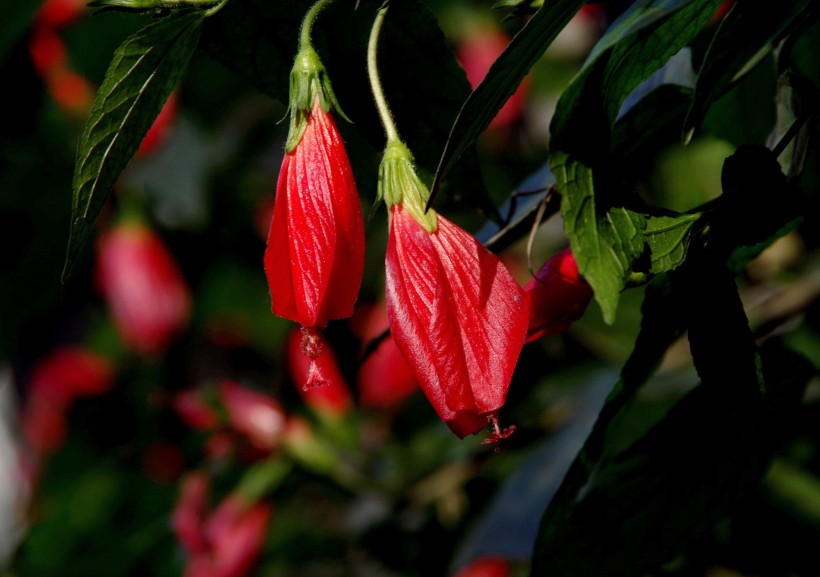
[308, 82]
[399, 184]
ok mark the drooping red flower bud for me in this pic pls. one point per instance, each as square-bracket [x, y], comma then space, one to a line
[315, 253]
[332, 398]
[456, 313]
[486, 567]
[145, 290]
[384, 379]
[258, 417]
[557, 296]
[457, 316]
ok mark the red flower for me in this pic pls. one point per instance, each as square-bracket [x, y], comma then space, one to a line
[146, 293]
[457, 316]
[333, 397]
[557, 296]
[315, 254]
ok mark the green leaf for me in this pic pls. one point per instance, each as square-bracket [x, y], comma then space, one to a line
[502, 80]
[668, 239]
[605, 243]
[423, 83]
[143, 73]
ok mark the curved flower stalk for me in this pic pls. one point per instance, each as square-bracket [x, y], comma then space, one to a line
[557, 296]
[315, 252]
[455, 312]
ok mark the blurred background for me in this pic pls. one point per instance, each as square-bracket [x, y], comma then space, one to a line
[149, 420]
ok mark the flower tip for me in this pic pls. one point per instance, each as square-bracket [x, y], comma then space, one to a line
[497, 433]
[315, 378]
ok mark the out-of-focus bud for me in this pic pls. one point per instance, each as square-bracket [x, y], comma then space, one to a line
[384, 379]
[331, 398]
[145, 290]
[557, 296]
[256, 416]
[486, 567]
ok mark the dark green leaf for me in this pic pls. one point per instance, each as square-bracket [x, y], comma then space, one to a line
[502, 80]
[605, 242]
[668, 239]
[144, 71]
[644, 507]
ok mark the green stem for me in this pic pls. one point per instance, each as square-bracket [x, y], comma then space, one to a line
[307, 23]
[375, 84]
[214, 9]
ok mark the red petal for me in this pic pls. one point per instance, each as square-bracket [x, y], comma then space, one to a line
[457, 316]
[315, 254]
[556, 297]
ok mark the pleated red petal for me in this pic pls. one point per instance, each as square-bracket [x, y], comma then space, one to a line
[315, 253]
[457, 316]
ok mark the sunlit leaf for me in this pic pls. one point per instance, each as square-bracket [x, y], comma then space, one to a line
[605, 242]
[668, 240]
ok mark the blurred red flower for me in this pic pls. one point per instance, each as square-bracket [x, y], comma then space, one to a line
[143, 285]
[557, 296]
